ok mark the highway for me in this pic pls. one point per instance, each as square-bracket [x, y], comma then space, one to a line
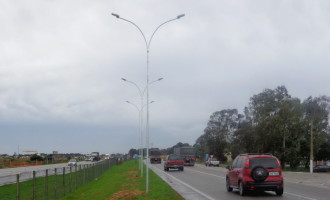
[8, 175]
[201, 182]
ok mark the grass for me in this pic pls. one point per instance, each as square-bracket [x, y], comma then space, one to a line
[123, 182]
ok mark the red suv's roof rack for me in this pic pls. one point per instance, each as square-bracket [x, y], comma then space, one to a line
[246, 154]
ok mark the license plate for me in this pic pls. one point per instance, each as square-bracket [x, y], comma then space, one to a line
[274, 173]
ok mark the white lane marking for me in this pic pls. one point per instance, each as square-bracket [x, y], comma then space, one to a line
[300, 196]
[206, 173]
[185, 184]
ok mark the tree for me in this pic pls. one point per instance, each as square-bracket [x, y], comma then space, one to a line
[316, 115]
[132, 152]
[273, 122]
[218, 133]
[36, 157]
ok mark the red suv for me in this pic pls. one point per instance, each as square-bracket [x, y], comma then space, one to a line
[251, 172]
[174, 162]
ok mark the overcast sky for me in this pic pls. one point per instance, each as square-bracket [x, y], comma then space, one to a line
[61, 64]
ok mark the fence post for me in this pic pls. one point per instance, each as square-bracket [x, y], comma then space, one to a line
[76, 174]
[70, 178]
[84, 175]
[46, 184]
[95, 171]
[34, 185]
[55, 184]
[17, 186]
[63, 181]
[88, 172]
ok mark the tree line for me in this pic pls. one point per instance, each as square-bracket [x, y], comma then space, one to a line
[272, 122]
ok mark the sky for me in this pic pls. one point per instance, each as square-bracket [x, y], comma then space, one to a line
[61, 64]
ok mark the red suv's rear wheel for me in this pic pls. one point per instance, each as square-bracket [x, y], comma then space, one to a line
[279, 192]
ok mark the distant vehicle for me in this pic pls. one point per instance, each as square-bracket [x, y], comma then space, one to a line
[72, 162]
[187, 153]
[89, 159]
[107, 157]
[321, 168]
[174, 162]
[155, 156]
[96, 156]
[255, 172]
[212, 162]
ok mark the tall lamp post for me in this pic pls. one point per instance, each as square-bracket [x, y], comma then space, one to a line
[140, 111]
[147, 43]
[141, 92]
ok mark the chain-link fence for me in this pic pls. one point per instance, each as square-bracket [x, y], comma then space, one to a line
[50, 183]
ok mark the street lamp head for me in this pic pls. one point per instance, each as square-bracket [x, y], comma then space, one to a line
[115, 15]
[123, 79]
[152, 101]
[128, 102]
[178, 17]
[160, 79]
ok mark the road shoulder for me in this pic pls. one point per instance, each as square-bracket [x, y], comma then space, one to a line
[185, 190]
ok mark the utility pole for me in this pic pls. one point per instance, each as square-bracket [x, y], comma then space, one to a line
[311, 151]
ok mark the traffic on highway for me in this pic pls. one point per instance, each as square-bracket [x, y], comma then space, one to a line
[202, 182]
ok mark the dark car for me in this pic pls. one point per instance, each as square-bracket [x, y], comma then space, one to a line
[321, 168]
[174, 162]
[255, 172]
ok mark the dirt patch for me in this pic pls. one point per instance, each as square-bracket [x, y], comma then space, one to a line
[126, 194]
[133, 176]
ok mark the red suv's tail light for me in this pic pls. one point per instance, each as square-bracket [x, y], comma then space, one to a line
[279, 164]
[193, 159]
[247, 164]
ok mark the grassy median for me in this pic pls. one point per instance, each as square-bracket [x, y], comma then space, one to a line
[123, 182]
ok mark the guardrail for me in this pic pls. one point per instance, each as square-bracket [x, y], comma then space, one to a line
[51, 183]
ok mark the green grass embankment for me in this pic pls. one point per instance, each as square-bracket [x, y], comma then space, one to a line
[123, 182]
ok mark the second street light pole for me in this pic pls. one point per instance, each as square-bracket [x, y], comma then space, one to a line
[140, 111]
[141, 92]
[147, 43]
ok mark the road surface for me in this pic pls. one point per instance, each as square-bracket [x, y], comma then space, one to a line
[201, 182]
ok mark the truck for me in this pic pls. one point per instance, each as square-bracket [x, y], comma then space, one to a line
[155, 155]
[107, 156]
[187, 153]
[95, 156]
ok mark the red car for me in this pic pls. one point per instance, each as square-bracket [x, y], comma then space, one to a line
[251, 172]
[174, 162]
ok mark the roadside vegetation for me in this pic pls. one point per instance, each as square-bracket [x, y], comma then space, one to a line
[123, 182]
[272, 122]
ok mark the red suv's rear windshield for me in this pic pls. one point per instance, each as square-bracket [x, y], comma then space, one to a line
[268, 163]
[174, 157]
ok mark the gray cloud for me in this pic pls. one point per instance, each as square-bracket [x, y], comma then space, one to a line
[61, 64]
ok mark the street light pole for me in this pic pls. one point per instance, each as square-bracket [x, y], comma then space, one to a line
[148, 49]
[311, 156]
[140, 110]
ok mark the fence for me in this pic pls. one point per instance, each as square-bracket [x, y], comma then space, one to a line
[51, 183]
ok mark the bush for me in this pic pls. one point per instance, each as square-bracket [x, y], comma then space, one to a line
[36, 157]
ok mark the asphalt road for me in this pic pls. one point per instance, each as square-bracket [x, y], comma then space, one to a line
[8, 175]
[201, 182]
